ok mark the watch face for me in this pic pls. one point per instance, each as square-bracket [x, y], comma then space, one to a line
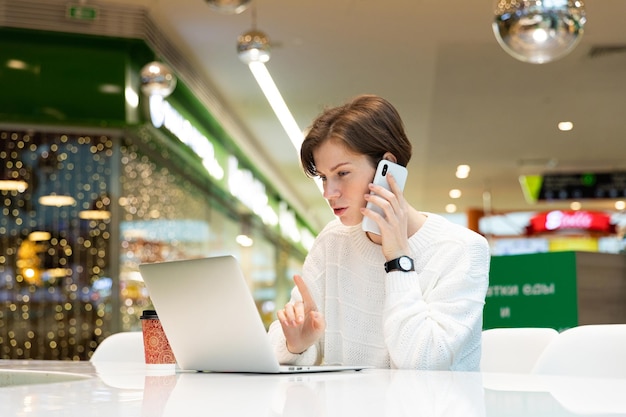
[405, 263]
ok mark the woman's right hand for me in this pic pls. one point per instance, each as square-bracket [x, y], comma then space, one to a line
[302, 324]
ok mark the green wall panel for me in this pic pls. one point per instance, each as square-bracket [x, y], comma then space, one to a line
[64, 78]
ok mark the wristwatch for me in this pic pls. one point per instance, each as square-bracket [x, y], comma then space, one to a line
[403, 263]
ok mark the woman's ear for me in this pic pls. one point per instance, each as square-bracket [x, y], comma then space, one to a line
[388, 156]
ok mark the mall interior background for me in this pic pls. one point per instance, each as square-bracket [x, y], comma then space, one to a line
[137, 193]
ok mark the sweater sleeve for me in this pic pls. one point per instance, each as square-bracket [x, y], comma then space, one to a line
[277, 338]
[433, 317]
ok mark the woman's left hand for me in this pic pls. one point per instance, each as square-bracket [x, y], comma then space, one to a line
[394, 226]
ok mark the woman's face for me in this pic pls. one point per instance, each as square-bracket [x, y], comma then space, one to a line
[345, 176]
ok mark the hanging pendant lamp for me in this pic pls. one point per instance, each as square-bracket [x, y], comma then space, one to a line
[157, 79]
[539, 31]
[228, 6]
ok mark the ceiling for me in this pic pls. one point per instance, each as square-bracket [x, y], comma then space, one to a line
[463, 99]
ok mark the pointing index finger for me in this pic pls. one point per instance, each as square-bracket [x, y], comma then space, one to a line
[307, 299]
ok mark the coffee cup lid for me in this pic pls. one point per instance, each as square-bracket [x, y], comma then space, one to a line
[149, 314]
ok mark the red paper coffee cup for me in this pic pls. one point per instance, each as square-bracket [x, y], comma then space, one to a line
[157, 350]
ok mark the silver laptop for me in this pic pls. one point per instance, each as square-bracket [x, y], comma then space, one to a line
[211, 320]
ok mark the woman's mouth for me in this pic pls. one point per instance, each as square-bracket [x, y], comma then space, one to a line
[339, 211]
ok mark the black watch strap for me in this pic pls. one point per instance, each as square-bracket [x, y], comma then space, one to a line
[403, 263]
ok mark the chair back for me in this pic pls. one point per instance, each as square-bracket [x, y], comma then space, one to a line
[120, 347]
[596, 350]
[513, 350]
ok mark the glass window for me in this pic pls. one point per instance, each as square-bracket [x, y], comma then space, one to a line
[81, 212]
[55, 282]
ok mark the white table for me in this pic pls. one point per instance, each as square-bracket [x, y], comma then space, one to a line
[121, 390]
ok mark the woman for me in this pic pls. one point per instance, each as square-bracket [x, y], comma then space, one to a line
[426, 312]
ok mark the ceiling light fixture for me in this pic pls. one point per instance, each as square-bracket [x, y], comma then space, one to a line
[13, 185]
[538, 31]
[455, 193]
[565, 126]
[157, 79]
[462, 171]
[10, 178]
[244, 238]
[99, 209]
[39, 236]
[94, 214]
[56, 200]
[253, 48]
[228, 6]
[273, 96]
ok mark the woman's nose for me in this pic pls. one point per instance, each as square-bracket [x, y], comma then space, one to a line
[330, 190]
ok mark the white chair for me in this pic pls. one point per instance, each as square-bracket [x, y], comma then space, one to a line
[120, 347]
[595, 350]
[513, 350]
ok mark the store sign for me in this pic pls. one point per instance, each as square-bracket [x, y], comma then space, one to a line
[574, 186]
[162, 114]
[537, 290]
[558, 220]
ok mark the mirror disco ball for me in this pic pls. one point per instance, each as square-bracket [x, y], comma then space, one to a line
[537, 31]
[157, 79]
[253, 46]
[228, 6]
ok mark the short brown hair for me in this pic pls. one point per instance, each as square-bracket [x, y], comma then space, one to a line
[367, 125]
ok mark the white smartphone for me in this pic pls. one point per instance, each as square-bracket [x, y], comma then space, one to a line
[380, 178]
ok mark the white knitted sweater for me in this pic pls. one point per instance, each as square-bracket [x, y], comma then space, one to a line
[427, 319]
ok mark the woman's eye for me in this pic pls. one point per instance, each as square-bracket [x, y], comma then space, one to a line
[343, 173]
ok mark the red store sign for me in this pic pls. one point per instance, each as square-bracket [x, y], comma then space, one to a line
[557, 220]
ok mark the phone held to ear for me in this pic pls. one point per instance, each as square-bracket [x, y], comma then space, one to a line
[380, 178]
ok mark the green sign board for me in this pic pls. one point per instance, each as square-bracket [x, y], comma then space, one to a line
[82, 12]
[536, 290]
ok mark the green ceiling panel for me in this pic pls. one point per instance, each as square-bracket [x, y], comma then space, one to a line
[61, 78]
